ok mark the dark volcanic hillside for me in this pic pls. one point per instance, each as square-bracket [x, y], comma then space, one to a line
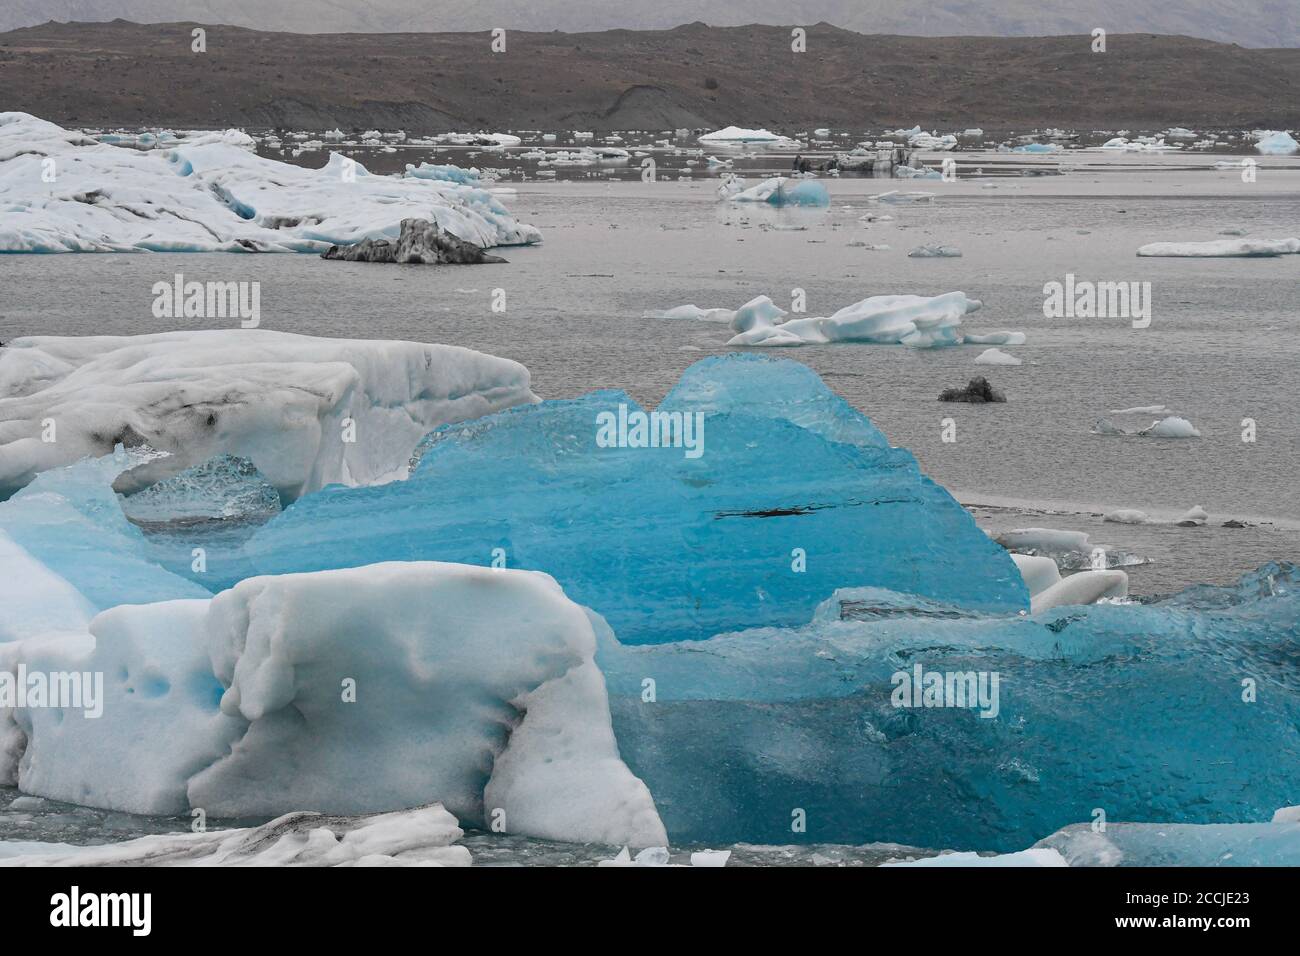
[126, 74]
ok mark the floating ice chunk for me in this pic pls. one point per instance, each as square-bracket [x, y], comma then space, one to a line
[1043, 540]
[1223, 248]
[214, 194]
[897, 196]
[419, 837]
[444, 173]
[935, 252]
[1126, 516]
[932, 142]
[1171, 427]
[1287, 815]
[996, 357]
[1033, 857]
[1195, 515]
[283, 401]
[693, 312]
[1178, 844]
[714, 858]
[1039, 573]
[1038, 148]
[739, 136]
[1082, 587]
[777, 191]
[912, 320]
[863, 508]
[1276, 143]
[994, 338]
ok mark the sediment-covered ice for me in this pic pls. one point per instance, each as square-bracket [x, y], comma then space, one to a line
[1223, 248]
[779, 494]
[305, 411]
[913, 320]
[62, 191]
[420, 837]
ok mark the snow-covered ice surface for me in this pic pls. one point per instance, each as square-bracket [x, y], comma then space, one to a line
[244, 702]
[283, 401]
[417, 837]
[62, 191]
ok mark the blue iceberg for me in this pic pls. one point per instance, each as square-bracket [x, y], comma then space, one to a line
[745, 499]
[1179, 711]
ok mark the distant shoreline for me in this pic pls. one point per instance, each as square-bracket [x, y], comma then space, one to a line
[126, 74]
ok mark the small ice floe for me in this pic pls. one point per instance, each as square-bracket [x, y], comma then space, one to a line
[996, 357]
[1038, 148]
[1126, 516]
[994, 338]
[932, 142]
[1195, 517]
[876, 217]
[720, 163]
[1286, 815]
[935, 252]
[1033, 857]
[916, 172]
[1275, 142]
[1223, 248]
[1070, 550]
[776, 191]
[899, 196]
[659, 856]
[1172, 426]
[912, 320]
[693, 312]
[1082, 587]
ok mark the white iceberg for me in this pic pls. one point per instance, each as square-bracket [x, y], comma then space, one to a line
[351, 691]
[739, 136]
[1223, 248]
[913, 320]
[306, 411]
[1082, 587]
[996, 357]
[1276, 142]
[62, 191]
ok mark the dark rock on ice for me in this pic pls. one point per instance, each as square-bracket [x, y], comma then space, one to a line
[421, 243]
[978, 391]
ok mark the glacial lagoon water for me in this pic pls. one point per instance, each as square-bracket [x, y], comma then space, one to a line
[1220, 347]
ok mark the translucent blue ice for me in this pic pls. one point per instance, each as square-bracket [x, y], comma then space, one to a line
[1182, 711]
[789, 495]
[71, 521]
